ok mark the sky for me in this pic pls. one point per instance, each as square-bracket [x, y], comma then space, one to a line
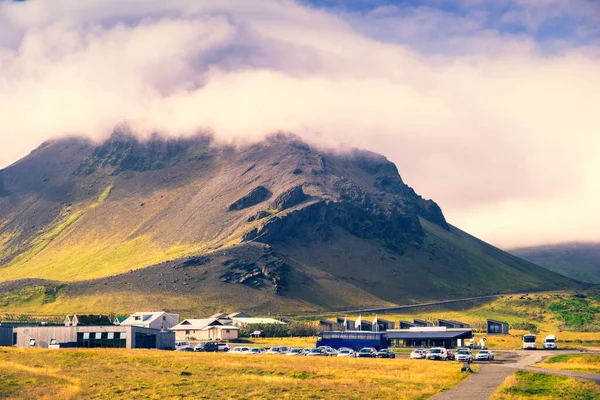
[489, 108]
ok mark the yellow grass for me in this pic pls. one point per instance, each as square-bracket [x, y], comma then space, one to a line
[111, 373]
[588, 363]
[527, 385]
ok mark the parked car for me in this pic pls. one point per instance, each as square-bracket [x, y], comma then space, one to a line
[224, 347]
[184, 349]
[367, 352]
[437, 353]
[306, 350]
[316, 353]
[464, 354]
[451, 355]
[345, 352]
[295, 352]
[182, 344]
[207, 347]
[385, 353]
[329, 351]
[486, 355]
[256, 350]
[240, 350]
[418, 353]
[257, 334]
[279, 350]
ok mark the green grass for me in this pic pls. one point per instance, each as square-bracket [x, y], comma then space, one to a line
[588, 363]
[112, 373]
[576, 311]
[530, 385]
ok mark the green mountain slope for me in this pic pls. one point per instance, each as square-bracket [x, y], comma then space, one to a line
[279, 225]
[579, 261]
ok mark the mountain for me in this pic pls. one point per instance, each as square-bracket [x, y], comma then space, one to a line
[189, 224]
[579, 261]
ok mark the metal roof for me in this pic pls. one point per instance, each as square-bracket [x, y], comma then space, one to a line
[447, 334]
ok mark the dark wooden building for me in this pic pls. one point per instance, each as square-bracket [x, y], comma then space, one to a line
[496, 327]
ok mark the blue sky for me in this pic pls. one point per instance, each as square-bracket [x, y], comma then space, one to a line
[550, 23]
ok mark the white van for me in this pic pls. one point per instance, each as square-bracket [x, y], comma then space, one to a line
[550, 342]
[529, 342]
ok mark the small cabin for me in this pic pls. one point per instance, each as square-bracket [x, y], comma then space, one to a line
[495, 327]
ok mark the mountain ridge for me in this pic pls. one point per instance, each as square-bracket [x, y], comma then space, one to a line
[577, 260]
[278, 224]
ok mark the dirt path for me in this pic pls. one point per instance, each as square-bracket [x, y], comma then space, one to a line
[481, 385]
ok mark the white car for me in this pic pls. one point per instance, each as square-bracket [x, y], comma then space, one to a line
[295, 352]
[224, 347]
[464, 354]
[550, 342]
[345, 352]
[182, 345]
[418, 354]
[240, 350]
[437, 353]
[486, 355]
[279, 350]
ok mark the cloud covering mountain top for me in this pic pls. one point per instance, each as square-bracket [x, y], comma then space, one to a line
[498, 126]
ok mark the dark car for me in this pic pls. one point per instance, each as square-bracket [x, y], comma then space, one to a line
[385, 353]
[451, 355]
[207, 347]
[367, 352]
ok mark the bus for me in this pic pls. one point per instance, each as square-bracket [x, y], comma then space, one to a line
[529, 342]
[354, 340]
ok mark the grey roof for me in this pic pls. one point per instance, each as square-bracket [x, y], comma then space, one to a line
[497, 322]
[449, 334]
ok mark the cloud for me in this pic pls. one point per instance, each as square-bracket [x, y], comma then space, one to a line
[500, 133]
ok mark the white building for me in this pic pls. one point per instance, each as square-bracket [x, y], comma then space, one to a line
[204, 329]
[154, 320]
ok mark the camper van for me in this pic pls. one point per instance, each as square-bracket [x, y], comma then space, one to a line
[550, 342]
[529, 342]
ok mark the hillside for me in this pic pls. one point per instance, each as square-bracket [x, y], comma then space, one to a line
[579, 261]
[188, 224]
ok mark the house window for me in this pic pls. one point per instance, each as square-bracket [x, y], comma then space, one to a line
[98, 335]
[86, 335]
[32, 342]
[187, 332]
[111, 335]
[226, 330]
[53, 342]
[137, 318]
[164, 317]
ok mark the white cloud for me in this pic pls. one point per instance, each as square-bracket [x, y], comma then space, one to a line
[495, 134]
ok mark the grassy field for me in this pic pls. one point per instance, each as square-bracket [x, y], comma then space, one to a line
[64, 374]
[588, 363]
[529, 385]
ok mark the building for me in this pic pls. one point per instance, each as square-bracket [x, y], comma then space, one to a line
[327, 325]
[405, 324]
[362, 325]
[422, 323]
[109, 336]
[204, 329]
[496, 327]
[6, 336]
[153, 320]
[345, 324]
[238, 315]
[429, 337]
[94, 320]
[448, 323]
[382, 325]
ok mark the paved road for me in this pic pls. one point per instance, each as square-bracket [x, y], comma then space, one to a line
[481, 385]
